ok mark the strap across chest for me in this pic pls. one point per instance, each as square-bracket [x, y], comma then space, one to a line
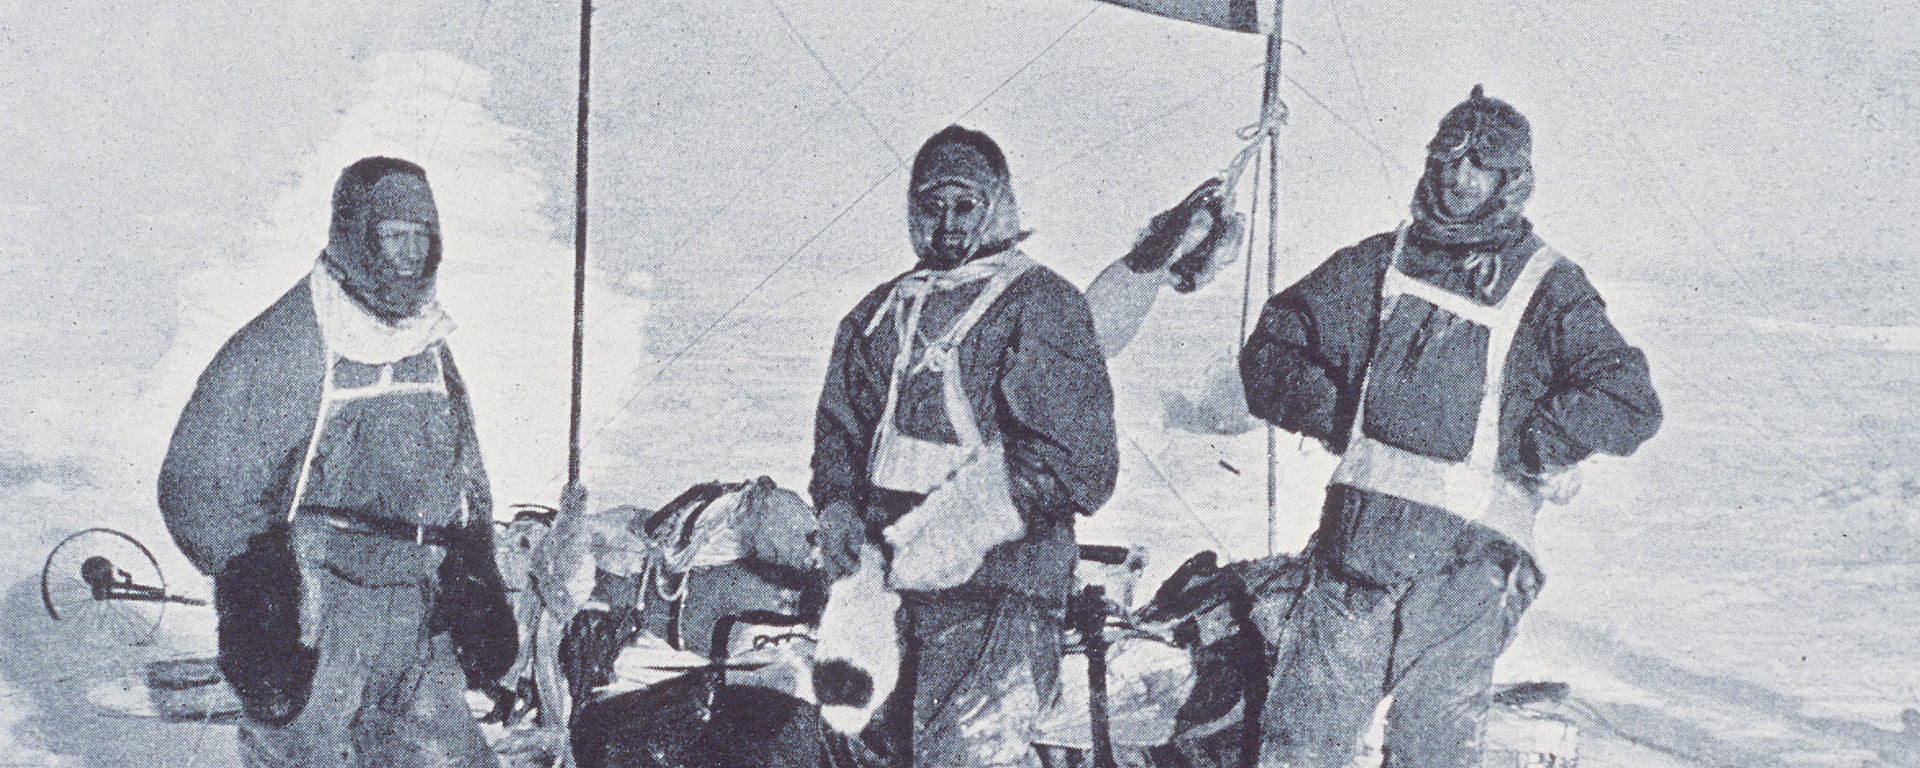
[1474, 488]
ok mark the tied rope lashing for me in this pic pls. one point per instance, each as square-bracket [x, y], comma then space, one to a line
[678, 560]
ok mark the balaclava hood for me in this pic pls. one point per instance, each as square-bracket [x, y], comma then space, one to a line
[967, 158]
[368, 192]
[1496, 136]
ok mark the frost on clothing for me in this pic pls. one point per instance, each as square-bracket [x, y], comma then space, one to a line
[1459, 366]
[1025, 367]
[1035, 379]
[363, 416]
[1408, 598]
[228, 483]
[1573, 385]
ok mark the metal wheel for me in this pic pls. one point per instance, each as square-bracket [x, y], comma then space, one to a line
[107, 585]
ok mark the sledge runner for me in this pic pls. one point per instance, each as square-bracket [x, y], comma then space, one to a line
[326, 475]
[966, 420]
[1462, 369]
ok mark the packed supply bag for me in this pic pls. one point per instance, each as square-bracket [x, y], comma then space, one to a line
[944, 540]
[857, 645]
[1148, 681]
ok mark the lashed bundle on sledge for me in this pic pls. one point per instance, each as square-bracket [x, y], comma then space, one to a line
[730, 679]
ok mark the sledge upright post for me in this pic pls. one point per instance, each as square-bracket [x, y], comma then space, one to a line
[1089, 619]
[579, 250]
[560, 551]
[1273, 113]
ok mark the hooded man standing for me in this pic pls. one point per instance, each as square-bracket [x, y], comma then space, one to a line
[326, 475]
[966, 410]
[1462, 369]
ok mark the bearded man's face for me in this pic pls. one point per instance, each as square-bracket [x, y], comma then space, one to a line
[949, 216]
[405, 246]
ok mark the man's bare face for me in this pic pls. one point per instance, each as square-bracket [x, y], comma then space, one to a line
[405, 246]
[1465, 185]
[952, 213]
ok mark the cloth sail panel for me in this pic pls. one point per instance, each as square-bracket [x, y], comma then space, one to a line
[1254, 16]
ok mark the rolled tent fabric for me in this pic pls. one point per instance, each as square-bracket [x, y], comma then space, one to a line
[1255, 16]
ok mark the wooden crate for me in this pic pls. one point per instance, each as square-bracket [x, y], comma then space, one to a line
[1519, 737]
[189, 689]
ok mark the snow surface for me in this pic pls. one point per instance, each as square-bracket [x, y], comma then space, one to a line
[1739, 183]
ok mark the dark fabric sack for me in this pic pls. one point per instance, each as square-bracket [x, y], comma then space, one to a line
[1225, 616]
[257, 599]
[592, 640]
[695, 721]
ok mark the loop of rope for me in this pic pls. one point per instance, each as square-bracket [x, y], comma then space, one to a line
[1269, 123]
[659, 579]
[1255, 136]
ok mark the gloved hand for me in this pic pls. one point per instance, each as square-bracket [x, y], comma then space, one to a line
[1177, 230]
[1191, 241]
[840, 536]
[1216, 248]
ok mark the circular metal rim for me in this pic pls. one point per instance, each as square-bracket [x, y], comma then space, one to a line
[46, 592]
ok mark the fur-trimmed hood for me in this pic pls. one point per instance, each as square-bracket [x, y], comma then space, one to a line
[1493, 135]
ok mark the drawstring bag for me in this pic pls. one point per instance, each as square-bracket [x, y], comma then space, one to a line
[967, 508]
[856, 649]
[943, 541]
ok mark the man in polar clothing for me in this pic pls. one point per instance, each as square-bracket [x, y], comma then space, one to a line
[1462, 369]
[326, 475]
[978, 369]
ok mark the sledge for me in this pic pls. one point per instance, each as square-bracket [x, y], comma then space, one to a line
[667, 681]
[1177, 682]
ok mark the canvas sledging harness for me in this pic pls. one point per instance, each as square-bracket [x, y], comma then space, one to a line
[376, 374]
[966, 508]
[387, 381]
[1473, 487]
[902, 462]
[274, 609]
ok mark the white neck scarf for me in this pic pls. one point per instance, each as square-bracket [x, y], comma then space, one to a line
[354, 333]
[916, 285]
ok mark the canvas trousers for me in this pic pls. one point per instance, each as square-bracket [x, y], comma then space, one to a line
[1429, 644]
[386, 692]
[977, 667]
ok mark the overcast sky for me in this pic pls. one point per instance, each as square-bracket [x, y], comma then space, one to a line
[168, 167]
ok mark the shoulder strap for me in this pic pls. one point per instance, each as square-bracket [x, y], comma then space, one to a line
[1542, 261]
[329, 359]
[889, 305]
[476, 498]
[996, 286]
